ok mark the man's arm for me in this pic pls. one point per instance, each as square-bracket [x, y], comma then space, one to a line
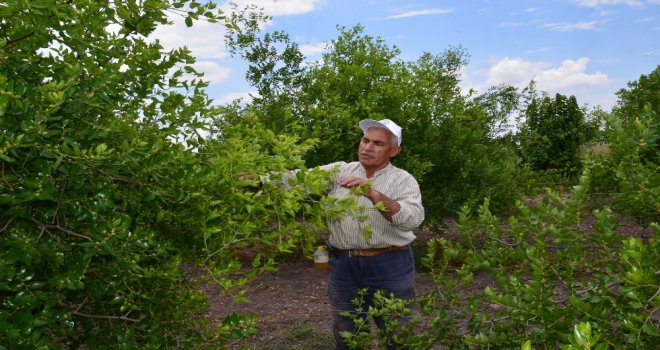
[391, 205]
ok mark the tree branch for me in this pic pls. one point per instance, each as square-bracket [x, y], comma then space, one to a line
[58, 227]
[507, 243]
[77, 312]
[105, 317]
[654, 295]
[6, 225]
[12, 42]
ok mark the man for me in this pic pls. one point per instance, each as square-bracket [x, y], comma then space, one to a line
[382, 260]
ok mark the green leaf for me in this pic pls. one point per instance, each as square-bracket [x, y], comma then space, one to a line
[101, 148]
[527, 345]
[7, 158]
[650, 330]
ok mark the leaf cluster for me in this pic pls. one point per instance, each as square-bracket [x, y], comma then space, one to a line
[630, 170]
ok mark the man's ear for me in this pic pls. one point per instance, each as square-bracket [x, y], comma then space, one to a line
[394, 151]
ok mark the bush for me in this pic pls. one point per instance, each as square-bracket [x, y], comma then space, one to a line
[103, 194]
[630, 172]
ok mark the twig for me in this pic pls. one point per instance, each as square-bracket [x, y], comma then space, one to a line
[105, 317]
[77, 312]
[6, 225]
[58, 227]
[11, 42]
[59, 202]
[41, 234]
[4, 178]
[654, 295]
[584, 291]
[507, 243]
[81, 304]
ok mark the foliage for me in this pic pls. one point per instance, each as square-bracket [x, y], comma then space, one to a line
[547, 273]
[356, 79]
[644, 91]
[275, 70]
[398, 328]
[456, 137]
[582, 338]
[548, 276]
[632, 165]
[107, 186]
[102, 193]
[270, 214]
[448, 137]
[499, 104]
[552, 133]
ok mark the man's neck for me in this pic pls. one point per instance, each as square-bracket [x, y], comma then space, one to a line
[372, 171]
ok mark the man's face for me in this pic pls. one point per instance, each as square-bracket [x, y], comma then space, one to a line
[376, 149]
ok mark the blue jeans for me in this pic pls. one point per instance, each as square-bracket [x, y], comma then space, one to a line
[393, 272]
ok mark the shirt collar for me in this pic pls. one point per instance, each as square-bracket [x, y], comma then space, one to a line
[381, 171]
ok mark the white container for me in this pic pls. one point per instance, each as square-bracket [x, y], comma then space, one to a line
[321, 258]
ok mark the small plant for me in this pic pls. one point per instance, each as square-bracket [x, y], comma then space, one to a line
[547, 274]
[394, 316]
[582, 339]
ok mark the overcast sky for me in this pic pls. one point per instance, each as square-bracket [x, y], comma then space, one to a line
[586, 48]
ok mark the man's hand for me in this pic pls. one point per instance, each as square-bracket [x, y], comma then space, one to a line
[358, 185]
[352, 181]
[362, 186]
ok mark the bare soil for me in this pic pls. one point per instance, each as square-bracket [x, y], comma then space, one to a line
[291, 304]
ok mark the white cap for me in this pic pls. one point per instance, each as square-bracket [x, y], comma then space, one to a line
[385, 123]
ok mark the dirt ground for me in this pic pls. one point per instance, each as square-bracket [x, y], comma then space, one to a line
[293, 307]
[291, 304]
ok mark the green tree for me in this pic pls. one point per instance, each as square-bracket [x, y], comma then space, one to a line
[640, 104]
[90, 185]
[102, 197]
[633, 165]
[552, 133]
[448, 140]
[276, 70]
[551, 278]
[500, 104]
[645, 90]
[356, 79]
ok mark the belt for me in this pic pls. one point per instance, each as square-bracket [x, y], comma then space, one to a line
[370, 251]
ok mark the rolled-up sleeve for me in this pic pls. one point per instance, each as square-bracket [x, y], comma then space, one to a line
[409, 197]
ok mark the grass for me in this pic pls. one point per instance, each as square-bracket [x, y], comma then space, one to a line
[302, 336]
